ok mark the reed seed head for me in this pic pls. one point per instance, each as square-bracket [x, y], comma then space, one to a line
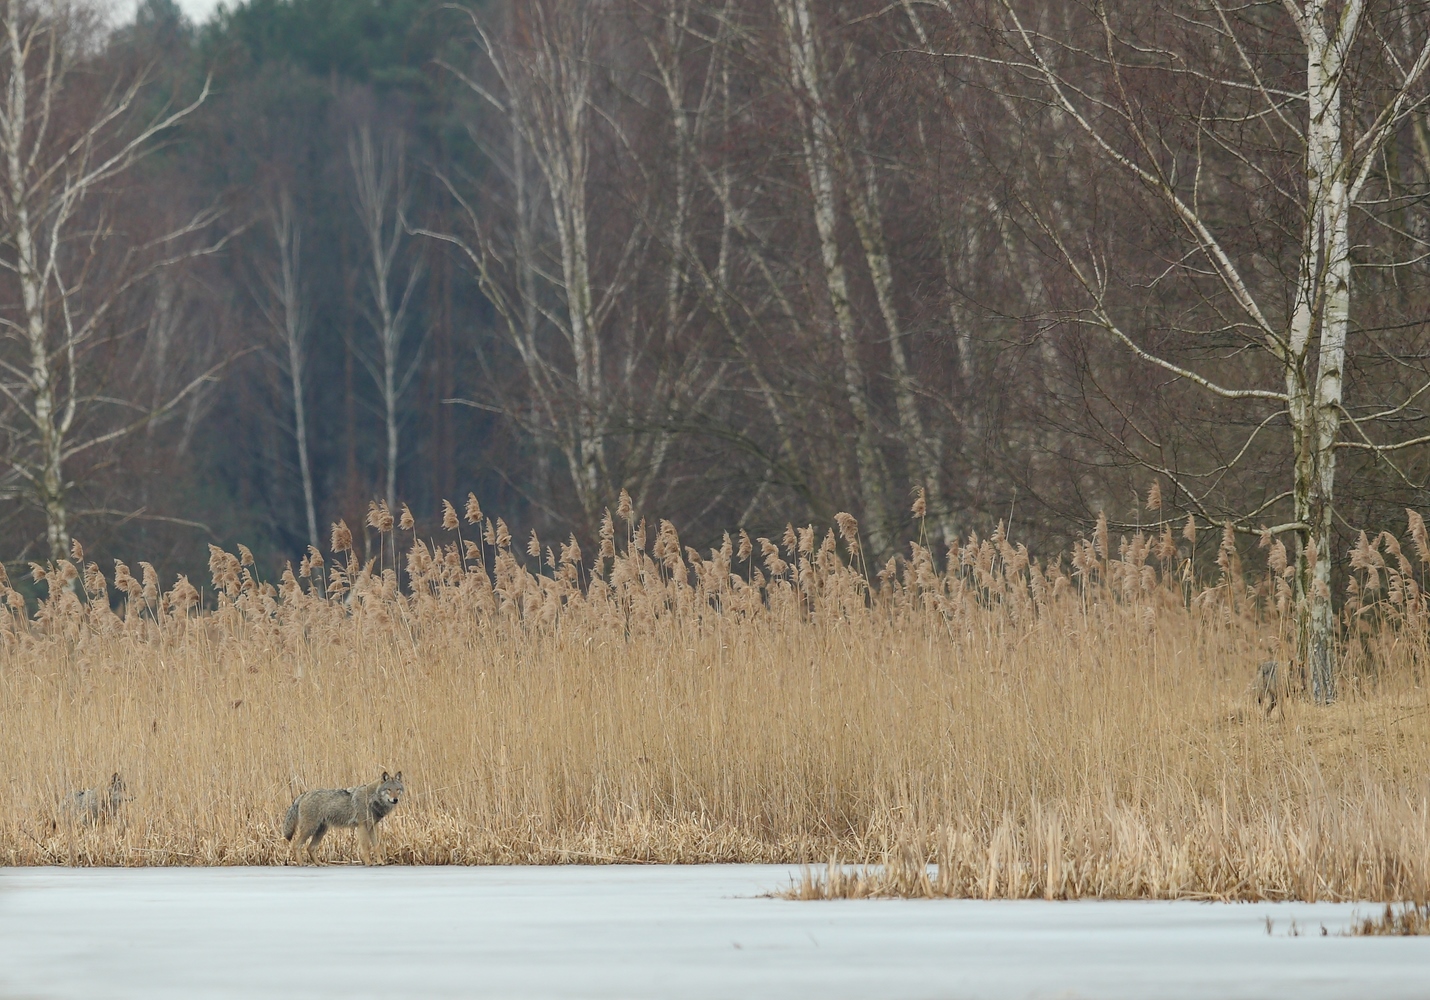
[342, 537]
[1418, 536]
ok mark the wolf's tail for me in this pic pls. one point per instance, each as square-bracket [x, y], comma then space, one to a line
[290, 821]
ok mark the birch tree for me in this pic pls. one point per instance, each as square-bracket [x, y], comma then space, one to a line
[817, 137]
[703, 152]
[541, 271]
[63, 143]
[285, 312]
[548, 86]
[1358, 85]
[382, 198]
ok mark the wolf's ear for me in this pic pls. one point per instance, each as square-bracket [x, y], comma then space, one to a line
[384, 776]
[398, 775]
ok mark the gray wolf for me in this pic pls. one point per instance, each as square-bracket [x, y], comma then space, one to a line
[1270, 689]
[91, 806]
[313, 813]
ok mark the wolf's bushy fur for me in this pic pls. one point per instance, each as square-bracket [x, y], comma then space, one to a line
[1270, 686]
[313, 813]
[91, 806]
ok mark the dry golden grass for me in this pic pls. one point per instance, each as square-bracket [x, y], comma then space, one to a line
[1031, 732]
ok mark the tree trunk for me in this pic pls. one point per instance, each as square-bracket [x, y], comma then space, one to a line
[389, 401]
[287, 286]
[923, 452]
[51, 438]
[550, 93]
[819, 162]
[300, 431]
[564, 162]
[1322, 308]
[382, 197]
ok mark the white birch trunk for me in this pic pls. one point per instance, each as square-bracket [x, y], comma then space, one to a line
[549, 89]
[290, 323]
[49, 482]
[1321, 315]
[382, 201]
[562, 151]
[819, 154]
[300, 431]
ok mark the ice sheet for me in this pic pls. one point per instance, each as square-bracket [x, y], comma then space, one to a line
[645, 932]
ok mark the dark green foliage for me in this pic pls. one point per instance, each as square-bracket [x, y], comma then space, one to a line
[161, 15]
[383, 42]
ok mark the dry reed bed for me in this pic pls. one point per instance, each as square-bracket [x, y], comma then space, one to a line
[1034, 731]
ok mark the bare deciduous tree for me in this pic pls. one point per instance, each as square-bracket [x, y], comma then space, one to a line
[540, 269]
[63, 139]
[285, 312]
[806, 75]
[1359, 83]
[548, 84]
[383, 194]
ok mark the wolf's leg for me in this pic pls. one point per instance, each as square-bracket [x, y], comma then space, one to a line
[317, 839]
[302, 828]
[365, 840]
[301, 833]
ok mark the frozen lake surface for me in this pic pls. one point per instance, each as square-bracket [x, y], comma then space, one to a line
[645, 932]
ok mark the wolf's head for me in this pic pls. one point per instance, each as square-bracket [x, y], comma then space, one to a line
[118, 792]
[390, 789]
